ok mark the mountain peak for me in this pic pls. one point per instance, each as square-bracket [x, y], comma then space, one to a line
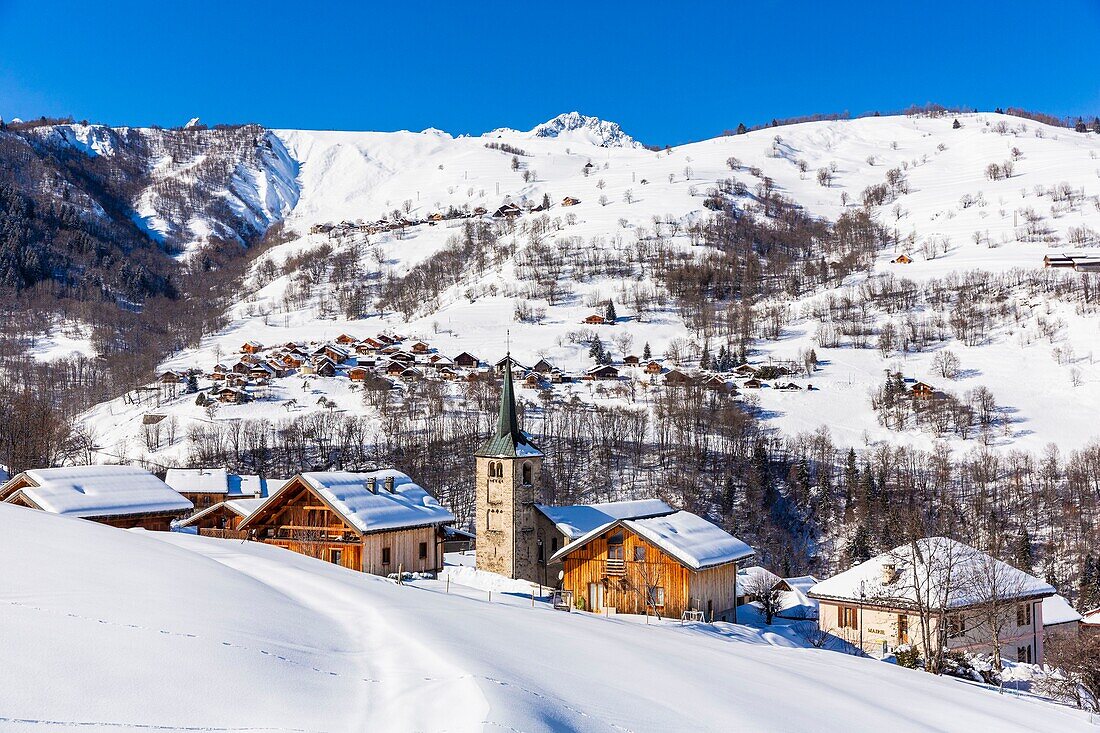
[599, 132]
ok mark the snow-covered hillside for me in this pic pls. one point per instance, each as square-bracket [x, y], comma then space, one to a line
[107, 629]
[944, 207]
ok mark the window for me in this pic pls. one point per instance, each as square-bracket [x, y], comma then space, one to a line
[1023, 614]
[553, 545]
[847, 617]
[423, 550]
[1023, 654]
[903, 628]
[655, 595]
[956, 626]
[542, 552]
[528, 471]
[639, 553]
[334, 556]
[385, 556]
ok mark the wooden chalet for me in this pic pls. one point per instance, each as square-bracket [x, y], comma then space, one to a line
[378, 522]
[325, 368]
[605, 371]
[231, 396]
[346, 340]
[595, 320]
[412, 373]
[507, 211]
[632, 360]
[447, 373]
[667, 565]
[744, 370]
[394, 369]
[252, 347]
[542, 366]
[533, 380]
[358, 374]
[653, 367]
[922, 390]
[438, 361]
[119, 496]
[222, 519]
[1057, 261]
[753, 383]
[902, 259]
[480, 211]
[466, 360]
[420, 348]
[171, 377]
[677, 378]
[570, 201]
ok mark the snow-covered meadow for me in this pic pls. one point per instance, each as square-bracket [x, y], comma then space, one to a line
[106, 629]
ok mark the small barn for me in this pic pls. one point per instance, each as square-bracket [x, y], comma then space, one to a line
[119, 496]
[666, 565]
[602, 372]
[902, 259]
[222, 519]
[377, 522]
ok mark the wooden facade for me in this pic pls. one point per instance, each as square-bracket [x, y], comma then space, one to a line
[153, 521]
[623, 572]
[299, 519]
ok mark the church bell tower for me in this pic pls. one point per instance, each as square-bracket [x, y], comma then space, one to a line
[508, 477]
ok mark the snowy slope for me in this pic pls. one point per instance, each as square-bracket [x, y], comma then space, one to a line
[948, 200]
[119, 630]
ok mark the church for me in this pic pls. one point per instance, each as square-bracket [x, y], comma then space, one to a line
[676, 562]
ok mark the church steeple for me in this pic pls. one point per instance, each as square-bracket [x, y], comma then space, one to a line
[508, 440]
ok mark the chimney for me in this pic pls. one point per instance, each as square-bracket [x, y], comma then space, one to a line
[889, 573]
[372, 485]
[389, 483]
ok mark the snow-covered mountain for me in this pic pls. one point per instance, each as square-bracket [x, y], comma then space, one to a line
[927, 180]
[575, 127]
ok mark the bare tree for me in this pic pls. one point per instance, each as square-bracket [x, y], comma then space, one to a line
[766, 593]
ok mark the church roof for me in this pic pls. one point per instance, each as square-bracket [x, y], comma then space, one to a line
[508, 441]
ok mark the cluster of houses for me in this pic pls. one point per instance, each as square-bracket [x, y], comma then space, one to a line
[507, 210]
[640, 556]
[389, 359]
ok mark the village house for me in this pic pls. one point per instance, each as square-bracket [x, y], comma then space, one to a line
[594, 320]
[466, 360]
[677, 378]
[420, 348]
[666, 565]
[252, 347]
[231, 396]
[358, 373]
[744, 370]
[119, 496]
[902, 259]
[507, 211]
[379, 522]
[605, 371]
[753, 383]
[881, 603]
[438, 361]
[570, 201]
[631, 360]
[205, 487]
[346, 340]
[222, 519]
[542, 366]
[922, 390]
[171, 377]
[654, 367]
[1060, 618]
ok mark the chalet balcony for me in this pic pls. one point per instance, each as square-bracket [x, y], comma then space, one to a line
[615, 567]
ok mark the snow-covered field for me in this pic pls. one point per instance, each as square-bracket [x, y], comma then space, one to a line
[111, 630]
[950, 203]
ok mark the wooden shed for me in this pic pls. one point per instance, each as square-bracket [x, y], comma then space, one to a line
[222, 519]
[666, 565]
[378, 522]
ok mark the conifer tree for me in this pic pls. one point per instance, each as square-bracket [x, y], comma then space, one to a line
[955, 125]
[647, 353]
[609, 315]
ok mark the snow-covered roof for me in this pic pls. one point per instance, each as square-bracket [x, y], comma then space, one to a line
[1056, 610]
[945, 571]
[197, 480]
[409, 505]
[575, 520]
[241, 507]
[802, 583]
[751, 573]
[100, 491]
[687, 537]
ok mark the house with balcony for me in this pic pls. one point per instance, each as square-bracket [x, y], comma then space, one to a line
[667, 565]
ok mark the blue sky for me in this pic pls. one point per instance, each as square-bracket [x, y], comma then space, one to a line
[668, 72]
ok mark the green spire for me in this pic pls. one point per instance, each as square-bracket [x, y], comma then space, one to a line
[508, 440]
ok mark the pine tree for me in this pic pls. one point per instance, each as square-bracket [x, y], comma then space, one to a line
[545, 201]
[192, 384]
[859, 546]
[596, 350]
[741, 129]
[647, 354]
[610, 316]
[704, 359]
[1096, 125]
[955, 125]
[1022, 554]
[1080, 126]
[1086, 585]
